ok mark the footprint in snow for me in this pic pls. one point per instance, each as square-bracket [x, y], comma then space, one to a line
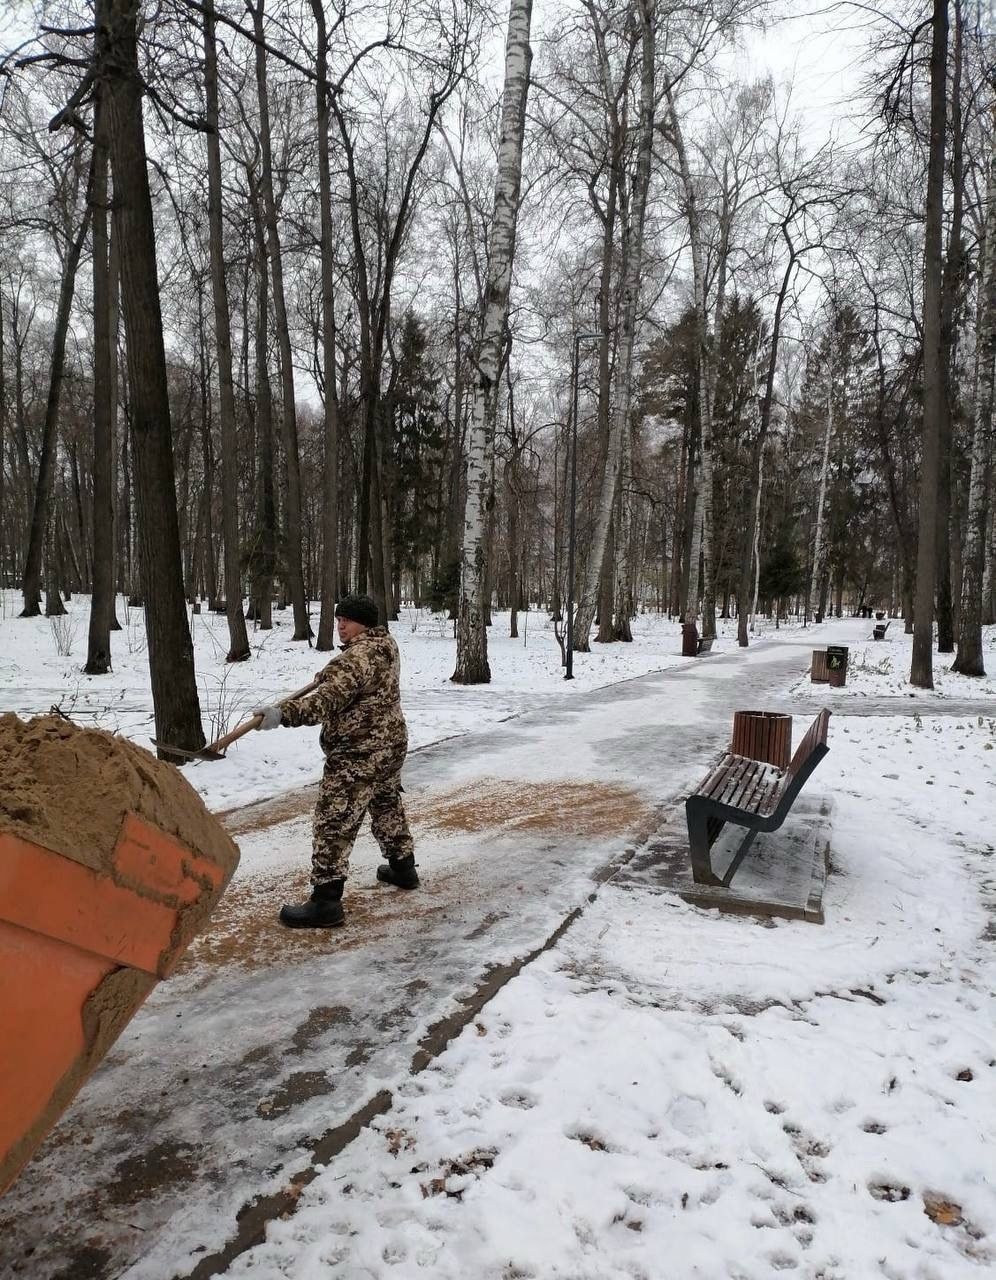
[521, 1100]
[591, 1140]
[808, 1151]
[890, 1192]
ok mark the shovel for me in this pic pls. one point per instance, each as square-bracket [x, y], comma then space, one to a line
[216, 750]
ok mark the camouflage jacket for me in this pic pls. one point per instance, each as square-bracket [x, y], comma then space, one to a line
[358, 703]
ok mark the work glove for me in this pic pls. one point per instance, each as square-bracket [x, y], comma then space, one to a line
[272, 716]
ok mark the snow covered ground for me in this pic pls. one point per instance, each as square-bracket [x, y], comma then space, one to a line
[881, 668]
[35, 675]
[669, 1093]
[665, 1093]
[41, 666]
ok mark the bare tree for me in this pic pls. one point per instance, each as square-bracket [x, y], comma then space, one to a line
[105, 287]
[171, 657]
[922, 668]
[293, 555]
[238, 640]
[41, 513]
[969, 660]
[645, 13]
[330, 402]
[472, 637]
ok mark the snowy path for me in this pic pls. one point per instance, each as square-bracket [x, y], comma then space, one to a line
[253, 1064]
[211, 1094]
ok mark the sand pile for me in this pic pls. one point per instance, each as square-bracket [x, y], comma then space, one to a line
[71, 991]
[69, 788]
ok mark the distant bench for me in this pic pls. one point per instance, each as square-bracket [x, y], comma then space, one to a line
[748, 793]
[880, 629]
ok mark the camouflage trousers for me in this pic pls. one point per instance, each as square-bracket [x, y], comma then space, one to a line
[350, 787]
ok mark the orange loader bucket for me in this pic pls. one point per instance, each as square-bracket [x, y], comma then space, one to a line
[81, 946]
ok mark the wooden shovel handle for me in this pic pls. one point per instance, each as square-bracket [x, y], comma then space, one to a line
[247, 727]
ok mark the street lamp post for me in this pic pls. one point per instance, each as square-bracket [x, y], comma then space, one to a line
[571, 527]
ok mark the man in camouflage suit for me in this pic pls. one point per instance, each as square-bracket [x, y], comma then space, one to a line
[365, 739]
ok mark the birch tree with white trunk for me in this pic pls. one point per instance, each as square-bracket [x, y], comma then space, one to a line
[472, 638]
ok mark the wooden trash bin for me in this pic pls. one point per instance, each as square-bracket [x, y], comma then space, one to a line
[818, 673]
[689, 640]
[763, 735]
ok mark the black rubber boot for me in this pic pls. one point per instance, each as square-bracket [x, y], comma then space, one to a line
[322, 911]
[400, 872]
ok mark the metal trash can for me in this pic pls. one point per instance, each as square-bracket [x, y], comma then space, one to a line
[837, 665]
[689, 640]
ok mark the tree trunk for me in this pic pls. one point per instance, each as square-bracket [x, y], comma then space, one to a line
[54, 607]
[679, 577]
[330, 468]
[171, 655]
[756, 554]
[706, 383]
[624, 543]
[951, 289]
[40, 515]
[379, 579]
[204, 538]
[693, 590]
[757, 456]
[606, 590]
[264, 552]
[922, 670]
[606, 632]
[98, 660]
[513, 546]
[472, 637]
[819, 549]
[238, 640]
[629, 310]
[969, 661]
[293, 567]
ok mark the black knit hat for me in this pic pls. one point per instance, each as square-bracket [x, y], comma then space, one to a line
[358, 609]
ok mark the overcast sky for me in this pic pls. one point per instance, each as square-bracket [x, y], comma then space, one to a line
[819, 54]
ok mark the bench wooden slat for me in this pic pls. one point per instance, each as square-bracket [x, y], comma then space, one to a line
[743, 783]
[767, 787]
[734, 779]
[725, 776]
[748, 785]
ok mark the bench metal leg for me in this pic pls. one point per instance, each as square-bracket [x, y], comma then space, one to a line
[741, 853]
[698, 843]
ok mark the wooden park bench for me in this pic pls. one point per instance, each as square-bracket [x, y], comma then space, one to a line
[880, 629]
[751, 794]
